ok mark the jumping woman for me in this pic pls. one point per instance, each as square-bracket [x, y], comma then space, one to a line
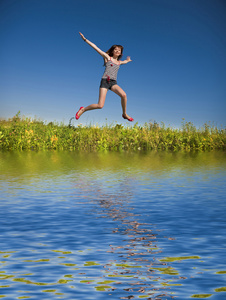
[112, 63]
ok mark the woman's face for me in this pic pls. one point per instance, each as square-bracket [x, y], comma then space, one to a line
[117, 51]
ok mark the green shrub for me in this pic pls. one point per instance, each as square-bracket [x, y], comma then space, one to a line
[26, 134]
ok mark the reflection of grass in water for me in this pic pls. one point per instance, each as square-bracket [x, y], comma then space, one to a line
[24, 133]
[171, 284]
[121, 276]
[63, 252]
[201, 295]
[105, 285]
[222, 289]
[95, 284]
[63, 281]
[23, 280]
[221, 272]
[87, 281]
[39, 260]
[167, 271]
[68, 264]
[69, 276]
[99, 286]
[102, 288]
[127, 266]
[91, 264]
[106, 282]
[172, 259]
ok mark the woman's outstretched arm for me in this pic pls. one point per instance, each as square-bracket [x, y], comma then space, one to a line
[102, 53]
[123, 62]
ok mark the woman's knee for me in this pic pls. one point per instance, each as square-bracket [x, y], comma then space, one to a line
[100, 105]
[124, 96]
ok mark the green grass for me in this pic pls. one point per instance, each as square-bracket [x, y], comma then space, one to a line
[20, 133]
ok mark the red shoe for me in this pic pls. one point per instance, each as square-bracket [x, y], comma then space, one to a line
[129, 119]
[76, 116]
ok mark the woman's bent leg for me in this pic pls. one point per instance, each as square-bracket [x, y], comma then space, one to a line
[119, 91]
[101, 101]
[99, 105]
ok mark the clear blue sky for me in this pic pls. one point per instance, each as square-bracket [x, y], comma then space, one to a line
[178, 48]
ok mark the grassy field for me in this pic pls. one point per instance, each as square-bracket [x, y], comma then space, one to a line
[20, 133]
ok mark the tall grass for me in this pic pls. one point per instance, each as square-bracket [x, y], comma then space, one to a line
[25, 133]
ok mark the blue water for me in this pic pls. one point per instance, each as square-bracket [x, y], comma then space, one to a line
[112, 225]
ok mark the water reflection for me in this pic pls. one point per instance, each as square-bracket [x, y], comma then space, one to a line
[135, 258]
[108, 225]
[39, 163]
[149, 277]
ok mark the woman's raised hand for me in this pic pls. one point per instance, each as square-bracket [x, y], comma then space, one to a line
[82, 36]
[128, 58]
[102, 53]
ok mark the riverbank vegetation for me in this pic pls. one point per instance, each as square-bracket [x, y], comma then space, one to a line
[21, 133]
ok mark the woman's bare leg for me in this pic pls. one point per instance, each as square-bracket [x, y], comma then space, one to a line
[119, 91]
[99, 105]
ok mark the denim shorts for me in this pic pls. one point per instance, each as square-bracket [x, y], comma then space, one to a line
[107, 84]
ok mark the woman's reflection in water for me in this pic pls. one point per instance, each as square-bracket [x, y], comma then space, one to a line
[136, 259]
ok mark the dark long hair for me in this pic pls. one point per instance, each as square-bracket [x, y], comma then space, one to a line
[110, 51]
